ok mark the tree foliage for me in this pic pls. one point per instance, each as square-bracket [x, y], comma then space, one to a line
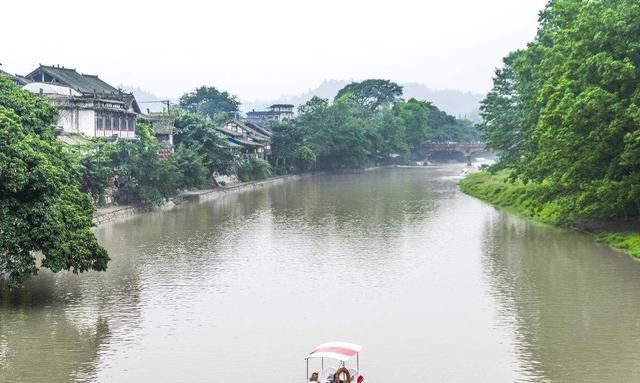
[253, 169]
[142, 177]
[190, 165]
[200, 135]
[366, 124]
[373, 93]
[42, 208]
[209, 101]
[415, 116]
[565, 111]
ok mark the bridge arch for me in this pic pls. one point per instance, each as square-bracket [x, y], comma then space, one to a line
[468, 149]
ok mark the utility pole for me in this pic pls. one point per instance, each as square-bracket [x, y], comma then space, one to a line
[166, 102]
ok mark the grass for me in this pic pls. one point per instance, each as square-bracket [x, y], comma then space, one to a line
[526, 200]
[629, 242]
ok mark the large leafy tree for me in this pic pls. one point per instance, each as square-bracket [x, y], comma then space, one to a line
[565, 110]
[415, 115]
[334, 132]
[142, 176]
[191, 167]
[200, 135]
[209, 101]
[373, 93]
[387, 134]
[42, 208]
[286, 141]
[96, 167]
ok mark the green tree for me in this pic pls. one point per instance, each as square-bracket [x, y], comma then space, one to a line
[142, 176]
[443, 127]
[209, 101]
[564, 111]
[335, 133]
[200, 135]
[415, 115]
[253, 169]
[287, 138]
[42, 208]
[96, 167]
[305, 158]
[387, 134]
[190, 165]
[373, 93]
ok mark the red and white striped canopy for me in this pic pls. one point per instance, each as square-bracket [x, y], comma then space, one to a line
[341, 351]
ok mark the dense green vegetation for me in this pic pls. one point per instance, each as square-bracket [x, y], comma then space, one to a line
[565, 114]
[367, 123]
[140, 176]
[253, 169]
[627, 241]
[524, 199]
[209, 102]
[529, 200]
[42, 207]
[565, 111]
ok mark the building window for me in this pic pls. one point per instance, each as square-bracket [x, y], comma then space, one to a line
[107, 123]
[116, 123]
[99, 122]
[131, 122]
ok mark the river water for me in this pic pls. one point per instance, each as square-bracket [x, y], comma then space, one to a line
[437, 287]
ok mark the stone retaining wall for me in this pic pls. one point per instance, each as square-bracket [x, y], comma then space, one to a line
[120, 213]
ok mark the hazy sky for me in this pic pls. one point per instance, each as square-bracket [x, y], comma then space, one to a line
[265, 49]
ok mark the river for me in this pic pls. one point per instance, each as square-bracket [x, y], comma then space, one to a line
[436, 286]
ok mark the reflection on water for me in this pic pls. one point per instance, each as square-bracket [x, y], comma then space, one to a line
[574, 306]
[436, 285]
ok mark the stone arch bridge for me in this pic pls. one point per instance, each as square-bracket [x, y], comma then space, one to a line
[468, 149]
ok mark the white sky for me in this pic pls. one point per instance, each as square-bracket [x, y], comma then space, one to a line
[266, 49]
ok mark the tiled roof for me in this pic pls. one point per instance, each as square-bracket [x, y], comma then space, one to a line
[244, 142]
[229, 132]
[258, 128]
[15, 78]
[258, 134]
[84, 83]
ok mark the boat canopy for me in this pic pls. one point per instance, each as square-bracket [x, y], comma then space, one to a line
[341, 351]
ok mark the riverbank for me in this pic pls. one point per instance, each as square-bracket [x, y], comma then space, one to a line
[524, 200]
[124, 212]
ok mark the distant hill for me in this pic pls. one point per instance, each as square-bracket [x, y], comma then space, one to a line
[454, 102]
[327, 89]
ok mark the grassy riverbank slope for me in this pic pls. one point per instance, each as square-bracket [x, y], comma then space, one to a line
[526, 200]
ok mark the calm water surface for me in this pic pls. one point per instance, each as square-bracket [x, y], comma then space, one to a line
[435, 285]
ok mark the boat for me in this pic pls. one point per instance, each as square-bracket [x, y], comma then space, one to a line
[335, 356]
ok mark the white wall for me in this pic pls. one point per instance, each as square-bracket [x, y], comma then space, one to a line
[68, 120]
[87, 122]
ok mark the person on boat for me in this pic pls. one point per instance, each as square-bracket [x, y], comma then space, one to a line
[314, 377]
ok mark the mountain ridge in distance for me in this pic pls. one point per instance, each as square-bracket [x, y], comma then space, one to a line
[454, 102]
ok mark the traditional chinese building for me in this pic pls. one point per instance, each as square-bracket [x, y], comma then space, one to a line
[253, 140]
[87, 105]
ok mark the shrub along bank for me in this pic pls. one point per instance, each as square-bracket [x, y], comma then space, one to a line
[564, 113]
[531, 201]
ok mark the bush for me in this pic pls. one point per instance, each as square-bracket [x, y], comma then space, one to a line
[190, 165]
[253, 169]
